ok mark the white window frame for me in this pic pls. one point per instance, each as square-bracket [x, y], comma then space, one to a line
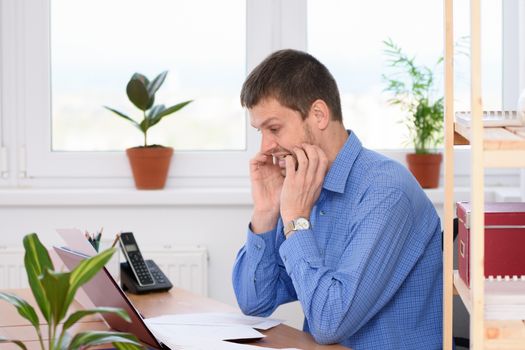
[4, 167]
[9, 90]
[25, 112]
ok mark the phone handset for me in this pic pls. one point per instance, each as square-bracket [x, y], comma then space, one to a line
[135, 260]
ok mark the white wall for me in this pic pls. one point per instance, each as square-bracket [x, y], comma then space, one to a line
[215, 219]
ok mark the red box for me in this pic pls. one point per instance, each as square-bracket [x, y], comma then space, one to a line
[504, 239]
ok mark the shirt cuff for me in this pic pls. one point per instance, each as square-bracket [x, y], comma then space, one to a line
[261, 245]
[301, 246]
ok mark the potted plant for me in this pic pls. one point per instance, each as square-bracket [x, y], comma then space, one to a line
[149, 163]
[54, 292]
[412, 88]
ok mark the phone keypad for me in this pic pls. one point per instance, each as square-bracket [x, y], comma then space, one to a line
[158, 276]
[141, 269]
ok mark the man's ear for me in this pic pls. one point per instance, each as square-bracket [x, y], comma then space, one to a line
[320, 113]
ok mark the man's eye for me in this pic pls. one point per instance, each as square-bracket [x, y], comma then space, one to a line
[274, 130]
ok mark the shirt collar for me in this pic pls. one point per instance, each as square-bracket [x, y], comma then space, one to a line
[337, 175]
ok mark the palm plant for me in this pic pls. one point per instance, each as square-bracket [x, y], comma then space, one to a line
[141, 92]
[54, 292]
[411, 87]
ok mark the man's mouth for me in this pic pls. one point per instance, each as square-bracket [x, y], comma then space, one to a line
[280, 159]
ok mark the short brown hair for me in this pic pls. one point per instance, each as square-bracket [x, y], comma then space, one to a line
[296, 79]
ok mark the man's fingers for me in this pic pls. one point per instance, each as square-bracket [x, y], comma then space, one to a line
[290, 166]
[257, 160]
[302, 160]
[313, 160]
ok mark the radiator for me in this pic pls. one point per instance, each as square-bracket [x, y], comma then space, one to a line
[186, 267]
[12, 271]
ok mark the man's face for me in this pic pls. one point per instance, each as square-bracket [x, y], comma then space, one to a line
[281, 128]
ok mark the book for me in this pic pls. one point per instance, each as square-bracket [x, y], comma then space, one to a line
[493, 119]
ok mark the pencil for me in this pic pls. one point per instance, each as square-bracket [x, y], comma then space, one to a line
[116, 240]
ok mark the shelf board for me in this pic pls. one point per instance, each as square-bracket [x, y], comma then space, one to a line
[504, 300]
[503, 147]
[507, 138]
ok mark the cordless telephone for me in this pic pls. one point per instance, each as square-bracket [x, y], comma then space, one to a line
[138, 275]
[134, 257]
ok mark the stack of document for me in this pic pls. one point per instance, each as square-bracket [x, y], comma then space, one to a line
[493, 119]
[209, 330]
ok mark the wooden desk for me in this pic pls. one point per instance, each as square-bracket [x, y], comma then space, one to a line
[175, 301]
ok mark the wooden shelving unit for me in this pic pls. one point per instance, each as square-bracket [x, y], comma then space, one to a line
[493, 306]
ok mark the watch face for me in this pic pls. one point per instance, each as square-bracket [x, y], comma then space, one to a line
[302, 224]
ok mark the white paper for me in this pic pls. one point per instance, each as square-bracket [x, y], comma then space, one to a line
[204, 331]
[216, 345]
[215, 318]
[184, 333]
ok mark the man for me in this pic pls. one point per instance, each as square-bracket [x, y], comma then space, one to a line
[344, 230]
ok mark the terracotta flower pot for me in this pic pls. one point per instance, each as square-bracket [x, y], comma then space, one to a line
[150, 166]
[425, 168]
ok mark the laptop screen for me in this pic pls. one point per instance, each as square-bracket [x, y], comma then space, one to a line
[103, 290]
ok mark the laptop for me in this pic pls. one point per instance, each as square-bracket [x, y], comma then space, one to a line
[103, 290]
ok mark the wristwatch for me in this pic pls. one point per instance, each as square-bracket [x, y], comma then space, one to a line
[296, 225]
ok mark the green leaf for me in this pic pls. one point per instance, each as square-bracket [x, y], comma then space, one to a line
[17, 342]
[138, 93]
[36, 261]
[84, 271]
[126, 346]
[65, 338]
[85, 339]
[56, 286]
[172, 109]
[155, 111]
[123, 116]
[143, 79]
[144, 125]
[75, 317]
[24, 309]
[157, 83]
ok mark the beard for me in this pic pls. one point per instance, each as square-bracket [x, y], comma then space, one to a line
[280, 153]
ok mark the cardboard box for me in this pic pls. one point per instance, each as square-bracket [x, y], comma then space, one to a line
[504, 240]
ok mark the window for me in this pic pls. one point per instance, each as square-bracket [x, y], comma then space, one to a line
[60, 75]
[347, 36]
[94, 53]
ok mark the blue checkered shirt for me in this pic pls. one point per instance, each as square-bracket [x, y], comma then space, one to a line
[368, 274]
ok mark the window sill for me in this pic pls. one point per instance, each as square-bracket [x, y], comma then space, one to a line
[188, 196]
[124, 197]
[492, 194]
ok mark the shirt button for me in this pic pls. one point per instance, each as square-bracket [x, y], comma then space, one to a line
[322, 212]
[284, 258]
[255, 279]
[258, 246]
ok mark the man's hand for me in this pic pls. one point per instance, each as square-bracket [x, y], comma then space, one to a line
[267, 182]
[302, 187]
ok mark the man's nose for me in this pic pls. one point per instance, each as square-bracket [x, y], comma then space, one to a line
[267, 143]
